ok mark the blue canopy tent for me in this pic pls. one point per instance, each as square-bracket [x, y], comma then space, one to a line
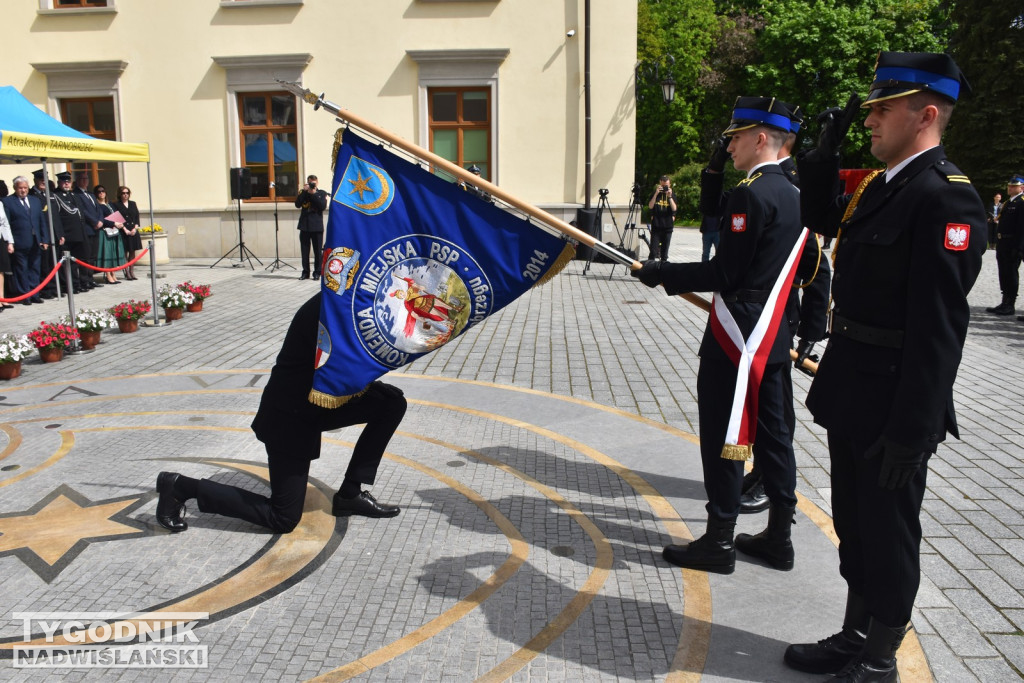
[29, 135]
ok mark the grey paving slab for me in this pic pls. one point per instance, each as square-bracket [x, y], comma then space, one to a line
[560, 471]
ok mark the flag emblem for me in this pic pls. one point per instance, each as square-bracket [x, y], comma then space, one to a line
[339, 268]
[739, 222]
[365, 187]
[323, 346]
[957, 236]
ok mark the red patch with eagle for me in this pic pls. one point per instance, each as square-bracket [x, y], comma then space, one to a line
[958, 235]
[739, 222]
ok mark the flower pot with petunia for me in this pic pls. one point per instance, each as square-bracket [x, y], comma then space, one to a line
[52, 339]
[13, 350]
[173, 300]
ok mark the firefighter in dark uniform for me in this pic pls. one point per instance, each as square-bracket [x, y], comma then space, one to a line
[1009, 238]
[807, 307]
[760, 235]
[68, 213]
[909, 247]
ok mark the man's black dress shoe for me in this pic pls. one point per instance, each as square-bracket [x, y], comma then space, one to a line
[364, 504]
[37, 299]
[169, 507]
[26, 302]
[304, 276]
[316, 276]
[49, 295]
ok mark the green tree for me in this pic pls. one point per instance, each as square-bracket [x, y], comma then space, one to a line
[816, 53]
[988, 45]
[668, 135]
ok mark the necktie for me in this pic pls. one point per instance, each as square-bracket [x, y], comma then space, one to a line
[24, 200]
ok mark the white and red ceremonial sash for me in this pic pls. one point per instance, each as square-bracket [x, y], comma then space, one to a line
[751, 355]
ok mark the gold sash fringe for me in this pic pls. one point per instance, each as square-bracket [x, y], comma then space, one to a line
[731, 451]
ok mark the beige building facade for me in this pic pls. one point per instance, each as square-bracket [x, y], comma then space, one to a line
[495, 83]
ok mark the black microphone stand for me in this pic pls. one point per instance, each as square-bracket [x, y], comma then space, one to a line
[277, 262]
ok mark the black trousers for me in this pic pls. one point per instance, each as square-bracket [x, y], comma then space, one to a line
[879, 530]
[723, 478]
[660, 240]
[289, 457]
[1008, 260]
[306, 239]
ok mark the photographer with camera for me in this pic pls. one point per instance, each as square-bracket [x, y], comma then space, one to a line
[313, 202]
[663, 214]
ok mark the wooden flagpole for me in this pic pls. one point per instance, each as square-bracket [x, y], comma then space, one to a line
[319, 102]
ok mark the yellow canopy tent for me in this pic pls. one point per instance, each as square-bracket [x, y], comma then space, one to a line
[28, 134]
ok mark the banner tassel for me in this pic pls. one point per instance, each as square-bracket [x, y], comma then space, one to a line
[567, 255]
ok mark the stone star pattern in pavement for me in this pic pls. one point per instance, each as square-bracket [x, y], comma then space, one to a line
[49, 536]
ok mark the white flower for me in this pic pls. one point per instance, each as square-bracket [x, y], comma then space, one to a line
[171, 296]
[91, 320]
[14, 348]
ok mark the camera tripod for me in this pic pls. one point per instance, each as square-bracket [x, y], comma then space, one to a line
[602, 205]
[277, 263]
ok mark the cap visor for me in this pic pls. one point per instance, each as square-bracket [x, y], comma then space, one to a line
[885, 94]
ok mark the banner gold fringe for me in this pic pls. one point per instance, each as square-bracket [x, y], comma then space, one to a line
[567, 255]
[337, 145]
[732, 451]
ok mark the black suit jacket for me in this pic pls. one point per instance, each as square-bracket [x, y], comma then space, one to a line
[760, 226]
[905, 260]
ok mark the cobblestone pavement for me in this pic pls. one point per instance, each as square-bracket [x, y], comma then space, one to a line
[547, 456]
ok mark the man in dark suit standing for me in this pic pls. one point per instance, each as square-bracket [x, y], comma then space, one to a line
[745, 350]
[92, 217]
[1009, 237]
[909, 248]
[313, 201]
[993, 219]
[26, 216]
[290, 428]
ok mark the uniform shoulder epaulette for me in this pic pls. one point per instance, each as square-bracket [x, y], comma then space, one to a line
[950, 172]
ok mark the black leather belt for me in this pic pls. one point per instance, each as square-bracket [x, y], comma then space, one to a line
[876, 336]
[747, 296]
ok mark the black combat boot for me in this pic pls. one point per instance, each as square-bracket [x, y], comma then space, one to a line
[835, 652]
[1006, 307]
[877, 660]
[773, 545]
[712, 552]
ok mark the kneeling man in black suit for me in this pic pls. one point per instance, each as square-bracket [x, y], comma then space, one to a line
[290, 428]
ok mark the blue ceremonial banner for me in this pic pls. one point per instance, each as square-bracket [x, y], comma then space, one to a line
[411, 261]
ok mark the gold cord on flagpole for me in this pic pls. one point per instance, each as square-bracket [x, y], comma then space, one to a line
[337, 146]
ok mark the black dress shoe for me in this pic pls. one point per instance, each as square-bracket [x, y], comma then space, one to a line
[49, 295]
[754, 500]
[169, 507]
[304, 276]
[364, 504]
[6, 306]
[26, 302]
[316, 276]
[37, 299]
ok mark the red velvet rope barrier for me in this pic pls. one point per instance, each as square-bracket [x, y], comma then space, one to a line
[111, 270]
[53, 274]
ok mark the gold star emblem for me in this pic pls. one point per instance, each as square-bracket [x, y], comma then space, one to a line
[55, 530]
[360, 185]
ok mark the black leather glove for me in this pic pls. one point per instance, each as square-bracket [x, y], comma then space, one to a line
[803, 352]
[899, 463]
[650, 274]
[386, 390]
[719, 154]
[835, 123]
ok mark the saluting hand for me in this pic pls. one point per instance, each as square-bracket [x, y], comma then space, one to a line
[719, 154]
[835, 123]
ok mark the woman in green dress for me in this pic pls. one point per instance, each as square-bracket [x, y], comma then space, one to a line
[110, 251]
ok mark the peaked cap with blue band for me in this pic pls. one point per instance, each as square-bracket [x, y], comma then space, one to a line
[904, 73]
[796, 117]
[1016, 179]
[749, 112]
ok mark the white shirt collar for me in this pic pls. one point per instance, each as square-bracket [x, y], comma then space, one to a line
[767, 163]
[891, 173]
